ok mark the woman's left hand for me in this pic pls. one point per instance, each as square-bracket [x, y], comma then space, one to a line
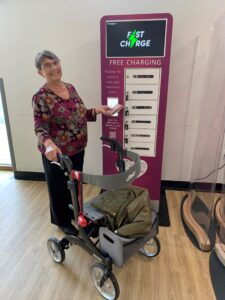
[103, 109]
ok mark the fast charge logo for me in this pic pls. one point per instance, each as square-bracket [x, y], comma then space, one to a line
[135, 39]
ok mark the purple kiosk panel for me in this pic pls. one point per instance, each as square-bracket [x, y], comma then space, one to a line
[135, 58]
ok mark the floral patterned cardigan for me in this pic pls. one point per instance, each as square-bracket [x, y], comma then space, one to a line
[62, 121]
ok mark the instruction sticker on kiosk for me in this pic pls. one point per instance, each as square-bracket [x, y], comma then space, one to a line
[113, 103]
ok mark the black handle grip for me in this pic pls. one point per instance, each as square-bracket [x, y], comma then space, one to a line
[65, 162]
[115, 145]
[103, 138]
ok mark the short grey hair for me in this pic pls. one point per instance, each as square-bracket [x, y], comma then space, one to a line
[42, 55]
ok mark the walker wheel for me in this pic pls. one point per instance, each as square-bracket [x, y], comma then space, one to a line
[56, 250]
[151, 248]
[110, 289]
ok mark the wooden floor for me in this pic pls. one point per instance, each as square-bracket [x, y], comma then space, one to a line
[27, 272]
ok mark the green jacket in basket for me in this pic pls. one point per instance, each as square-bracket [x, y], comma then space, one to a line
[127, 211]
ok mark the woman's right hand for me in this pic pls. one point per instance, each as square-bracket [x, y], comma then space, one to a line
[51, 150]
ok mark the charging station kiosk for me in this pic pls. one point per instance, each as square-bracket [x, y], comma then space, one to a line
[135, 58]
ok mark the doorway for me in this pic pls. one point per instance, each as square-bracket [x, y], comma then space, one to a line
[6, 149]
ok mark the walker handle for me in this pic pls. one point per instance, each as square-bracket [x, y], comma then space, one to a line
[115, 145]
[65, 163]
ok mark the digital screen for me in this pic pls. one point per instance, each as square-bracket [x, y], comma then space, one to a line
[136, 38]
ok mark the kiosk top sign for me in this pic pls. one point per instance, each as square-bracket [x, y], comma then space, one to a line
[143, 38]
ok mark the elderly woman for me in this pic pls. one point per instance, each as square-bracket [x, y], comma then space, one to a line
[60, 122]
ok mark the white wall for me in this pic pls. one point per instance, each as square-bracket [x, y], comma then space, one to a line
[71, 29]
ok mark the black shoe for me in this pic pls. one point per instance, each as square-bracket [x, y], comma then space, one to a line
[69, 229]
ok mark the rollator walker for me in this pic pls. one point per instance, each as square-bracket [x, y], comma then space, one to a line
[108, 247]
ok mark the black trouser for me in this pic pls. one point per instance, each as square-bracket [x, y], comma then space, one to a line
[59, 195]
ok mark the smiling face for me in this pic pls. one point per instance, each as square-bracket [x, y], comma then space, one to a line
[51, 70]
